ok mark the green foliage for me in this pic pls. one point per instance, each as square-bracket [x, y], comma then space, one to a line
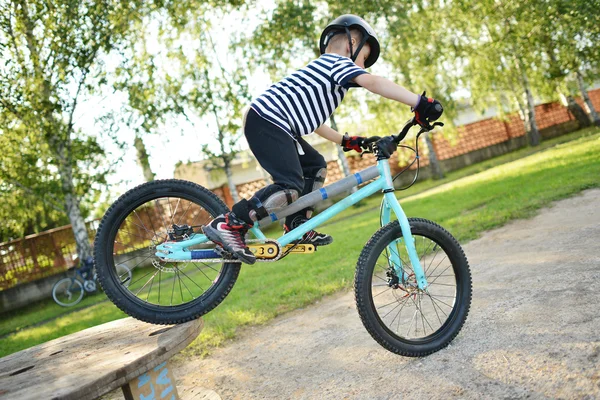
[49, 58]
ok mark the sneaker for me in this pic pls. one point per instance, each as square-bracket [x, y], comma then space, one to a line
[310, 237]
[229, 232]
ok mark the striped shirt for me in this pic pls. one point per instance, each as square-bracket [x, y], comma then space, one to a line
[303, 101]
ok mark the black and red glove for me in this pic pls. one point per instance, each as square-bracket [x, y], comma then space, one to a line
[355, 143]
[427, 110]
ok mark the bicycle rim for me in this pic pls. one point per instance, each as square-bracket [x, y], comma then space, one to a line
[67, 292]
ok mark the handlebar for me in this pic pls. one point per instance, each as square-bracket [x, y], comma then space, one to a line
[372, 142]
[412, 122]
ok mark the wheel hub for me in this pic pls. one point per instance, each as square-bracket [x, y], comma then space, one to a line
[89, 285]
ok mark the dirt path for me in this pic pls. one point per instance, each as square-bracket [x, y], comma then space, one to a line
[533, 330]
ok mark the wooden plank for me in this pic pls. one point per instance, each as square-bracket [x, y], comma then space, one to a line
[92, 362]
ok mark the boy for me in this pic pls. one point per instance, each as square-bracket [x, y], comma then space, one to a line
[296, 106]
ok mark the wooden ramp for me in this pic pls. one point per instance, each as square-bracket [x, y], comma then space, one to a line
[126, 353]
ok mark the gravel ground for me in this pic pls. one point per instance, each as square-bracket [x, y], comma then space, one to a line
[533, 330]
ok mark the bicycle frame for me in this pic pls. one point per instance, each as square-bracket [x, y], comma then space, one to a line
[177, 251]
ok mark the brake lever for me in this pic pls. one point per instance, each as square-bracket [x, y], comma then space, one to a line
[430, 127]
[367, 151]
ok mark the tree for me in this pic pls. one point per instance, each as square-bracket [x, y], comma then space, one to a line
[27, 200]
[571, 41]
[501, 61]
[594, 117]
[210, 89]
[149, 91]
[51, 55]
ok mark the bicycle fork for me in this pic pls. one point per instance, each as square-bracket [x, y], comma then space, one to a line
[390, 203]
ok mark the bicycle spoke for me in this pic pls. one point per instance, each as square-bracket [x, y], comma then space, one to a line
[401, 305]
[385, 291]
[142, 222]
[122, 262]
[145, 284]
[162, 216]
[181, 281]
[172, 292]
[185, 213]
[446, 304]
[200, 269]
[435, 310]
[440, 275]
[193, 281]
[438, 265]
[176, 208]
[159, 274]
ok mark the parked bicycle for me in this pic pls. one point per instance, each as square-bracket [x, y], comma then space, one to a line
[69, 291]
[412, 282]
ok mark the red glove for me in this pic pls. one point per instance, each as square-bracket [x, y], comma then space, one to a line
[353, 143]
[427, 110]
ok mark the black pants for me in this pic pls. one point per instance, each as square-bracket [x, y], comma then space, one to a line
[277, 153]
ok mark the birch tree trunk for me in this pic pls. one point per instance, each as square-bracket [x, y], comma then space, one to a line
[534, 134]
[522, 111]
[82, 240]
[342, 160]
[231, 184]
[436, 168]
[589, 106]
[142, 155]
[576, 110]
[59, 139]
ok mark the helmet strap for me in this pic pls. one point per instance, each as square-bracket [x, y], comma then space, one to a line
[352, 55]
[360, 46]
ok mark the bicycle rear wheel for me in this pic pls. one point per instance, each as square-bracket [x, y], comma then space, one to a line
[67, 292]
[160, 292]
[399, 316]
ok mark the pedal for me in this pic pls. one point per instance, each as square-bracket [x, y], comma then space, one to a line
[300, 248]
[267, 250]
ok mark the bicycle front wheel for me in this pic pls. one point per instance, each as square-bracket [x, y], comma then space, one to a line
[140, 283]
[399, 316]
[67, 292]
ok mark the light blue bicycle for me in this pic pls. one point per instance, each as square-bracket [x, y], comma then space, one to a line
[412, 283]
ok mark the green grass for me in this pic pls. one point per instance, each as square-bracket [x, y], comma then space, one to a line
[42, 311]
[467, 202]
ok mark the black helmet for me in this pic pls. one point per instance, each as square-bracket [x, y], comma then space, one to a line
[343, 24]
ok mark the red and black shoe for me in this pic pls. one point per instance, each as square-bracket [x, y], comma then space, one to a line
[310, 237]
[229, 232]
